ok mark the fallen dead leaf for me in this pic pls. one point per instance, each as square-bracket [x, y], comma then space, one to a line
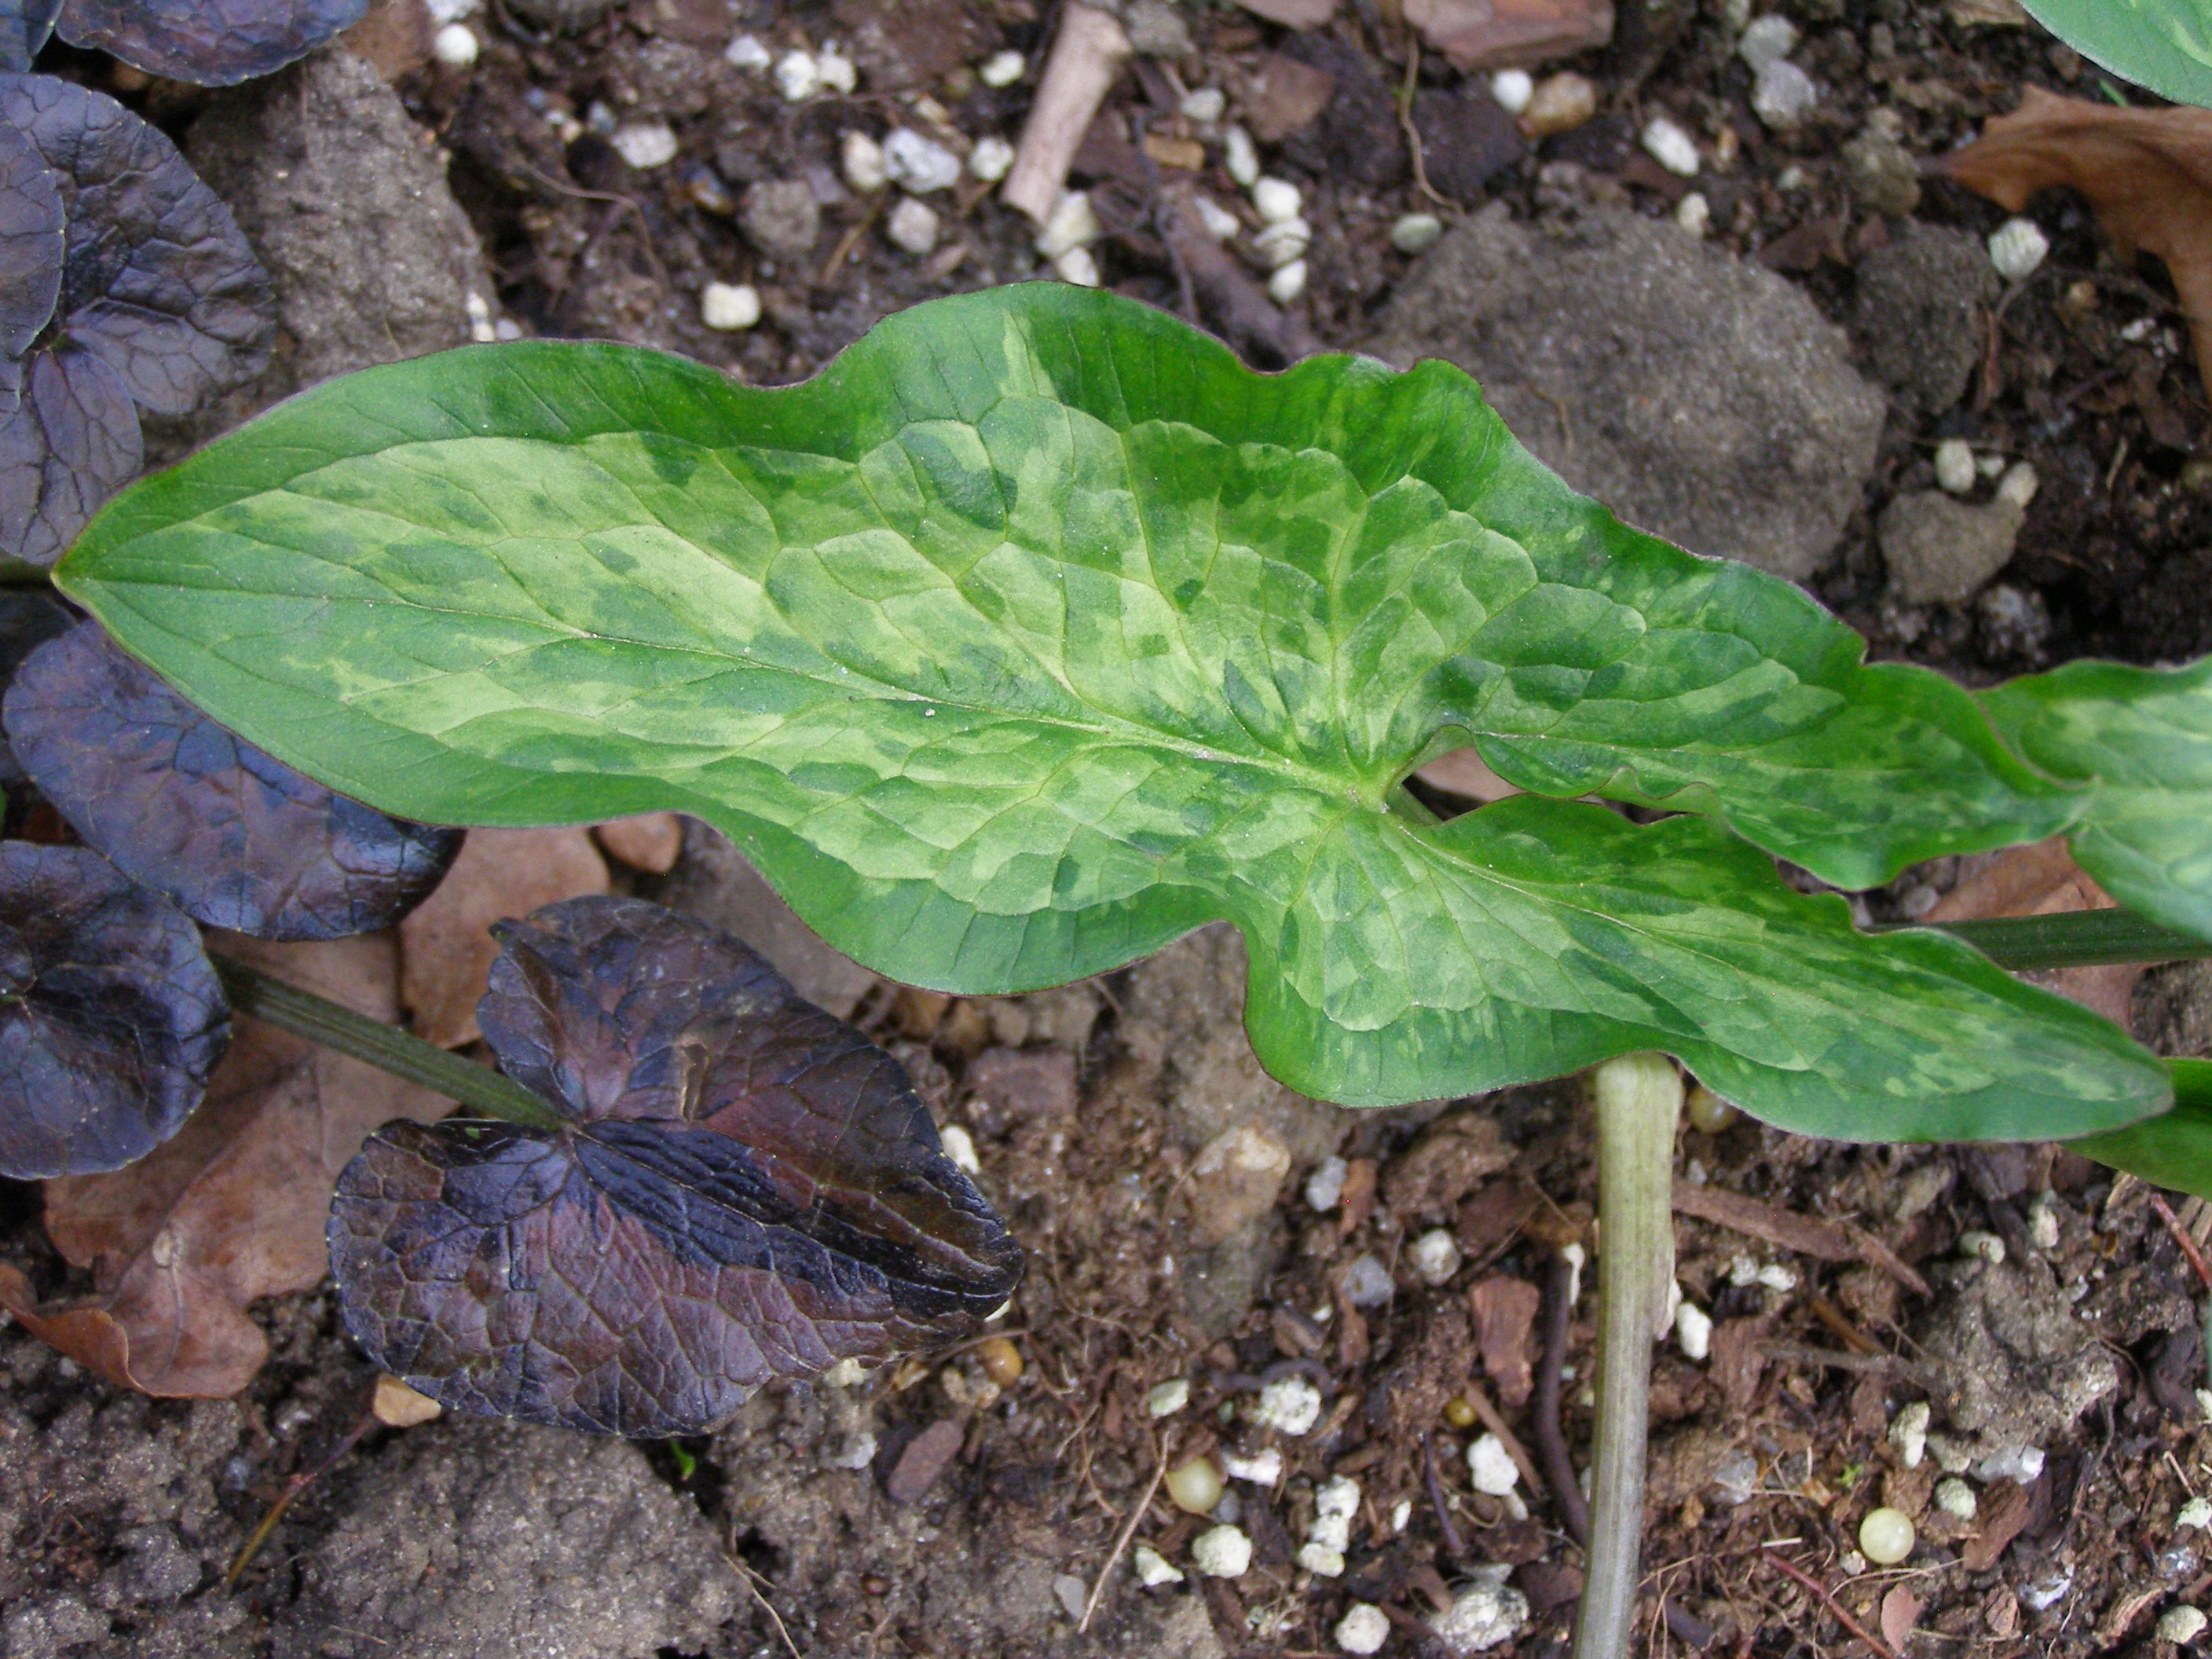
[2043, 880]
[1464, 772]
[2147, 172]
[1900, 1611]
[2006, 1505]
[446, 946]
[651, 841]
[1738, 1360]
[233, 1207]
[1279, 95]
[1505, 1311]
[1508, 33]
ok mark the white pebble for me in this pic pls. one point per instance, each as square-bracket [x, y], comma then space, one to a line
[1694, 214]
[1512, 89]
[797, 75]
[1783, 95]
[747, 53]
[1278, 244]
[1153, 1568]
[2017, 247]
[1672, 148]
[856, 1454]
[1954, 466]
[1955, 1497]
[1336, 1500]
[737, 304]
[1321, 1560]
[1364, 1629]
[1325, 1186]
[1491, 1467]
[1435, 1254]
[1205, 105]
[1221, 1553]
[835, 72]
[863, 158]
[1776, 1277]
[2197, 1512]
[1485, 1614]
[1169, 1397]
[2042, 1215]
[919, 164]
[479, 312]
[1002, 69]
[2018, 485]
[1367, 1281]
[455, 43]
[1077, 267]
[1767, 39]
[913, 226]
[1987, 1246]
[1291, 1406]
[1908, 1432]
[1241, 158]
[1221, 224]
[1400, 1513]
[959, 1144]
[2021, 1463]
[991, 159]
[1791, 178]
[644, 144]
[1276, 200]
[450, 11]
[2204, 1403]
[1072, 223]
[1577, 1259]
[1265, 1469]
[1693, 1330]
[1417, 232]
[2181, 1624]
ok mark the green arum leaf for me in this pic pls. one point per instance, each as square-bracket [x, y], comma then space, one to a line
[2173, 1150]
[2164, 44]
[2143, 739]
[1036, 631]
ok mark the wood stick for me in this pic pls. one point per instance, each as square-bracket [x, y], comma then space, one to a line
[1085, 60]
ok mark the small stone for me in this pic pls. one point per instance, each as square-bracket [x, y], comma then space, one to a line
[835, 72]
[2015, 622]
[1484, 1615]
[1879, 171]
[2181, 1624]
[1954, 466]
[918, 163]
[1195, 1487]
[1276, 200]
[2017, 247]
[455, 45]
[2021, 1463]
[797, 75]
[1240, 157]
[2018, 486]
[1001, 1360]
[1364, 1629]
[1783, 95]
[863, 161]
[1886, 1536]
[991, 159]
[1336, 1501]
[926, 1458]
[1003, 68]
[1278, 244]
[1435, 1256]
[1668, 144]
[644, 144]
[1072, 223]
[1291, 1406]
[1767, 39]
[2197, 1512]
[1694, 214]
[746, 52]
[1559, 104]
[1287, 282]
[912, 227]
[1222, 1552]
[1416, 233]
[1491, 1467]
[781, 218]
[1169, 1397]
[1324, 1188]
[1071, 1593]
[398, 1407]
[1156, 29]
[960, 1147]
[1908, 1432]
[480, 323]
[1513, 89]
[1205, 105]
[1955, 1497]
[1942, 551]
[1776, 1277]
[1153, 1568]
[1708, 1113]
[1264, 1468]
[1987, 1247]
[1221, 224]
[846, 1373]
[2043, 1222]
[1321, 1560]
[1367, 1282]
[1693, 1331]
[727, 306]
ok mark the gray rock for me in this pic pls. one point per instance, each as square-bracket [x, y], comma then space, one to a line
[1918, 311]
[472, 1539]
[1701, 398]
[2013, 1364]
[1940, 549]
[1882, 175]
[782, 218]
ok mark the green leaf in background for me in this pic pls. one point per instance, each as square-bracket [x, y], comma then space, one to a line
[2164, 44]
[2143, 739]
[1037, 630]
[2173, 1150]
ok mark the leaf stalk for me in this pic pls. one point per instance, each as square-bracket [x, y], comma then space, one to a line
[258, 996]
[2077, 938]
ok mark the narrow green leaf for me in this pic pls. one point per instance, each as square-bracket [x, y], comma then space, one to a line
[1036, 631]
[2164, 44]
[2174, 1150]
[2143, 738]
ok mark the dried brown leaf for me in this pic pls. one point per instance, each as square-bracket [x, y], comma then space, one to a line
[2043, 880]
[1503, 33]
[446, 946]
[1900, 1611]
[650, 842]
[2006, 1506]
[1505, 1311]
[233, 1208]
[2147, 172]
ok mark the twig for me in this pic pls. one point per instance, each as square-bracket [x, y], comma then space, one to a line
[293, 1488]
[752, 1584]
[637, 211]
[1414, 147]
[1240, 309]
[1452, 1543]
[1478, 1397]
[1551, 1438]
[1128, 1530]
[1086, 58]
[1883, 1648]
[2189, 1246]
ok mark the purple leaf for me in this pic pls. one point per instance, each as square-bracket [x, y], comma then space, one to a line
[31, 244]
[211, 43]
[24, 27]
[70, 442]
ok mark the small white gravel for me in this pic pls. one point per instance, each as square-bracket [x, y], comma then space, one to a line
[1169, 1397]
[1955, 471]
[1221, 224]
[2197, 1512]
[1694, 214]
[1491, 1467]
[1291, 1406]
[644, 144]
[1321, 1561]
[2018, 485]
[729, 305]
[797, 77]
[1986, 1246]
[1671, 146]
[959, 1144]
[1767, 39]
[2021, 1463]
[455, 45]
[1077, 267]
[1435, 1255]
[1262, 1469]
[1367, 1282]
[2181, 1624]
[1153, 1568]
[747, 53]
[1205, 105]
[2016, 247]
[1512, 89]
[479, 314]
[835, 72]
[1485, 1614]
[1417, 232]
[1955, 1497]
[1221, 1553]
[918, 163]
[1002, 69]
[1908, 1432]
[857, 1453]
[1072, 223]
[1279, 243]
[1336, 1501]
[1364, 1629]
[1276, 200]
[862, 158]
[991, 159]
[913, 226]
[1693, 1331]
[1783, 95]
[1242, 159]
